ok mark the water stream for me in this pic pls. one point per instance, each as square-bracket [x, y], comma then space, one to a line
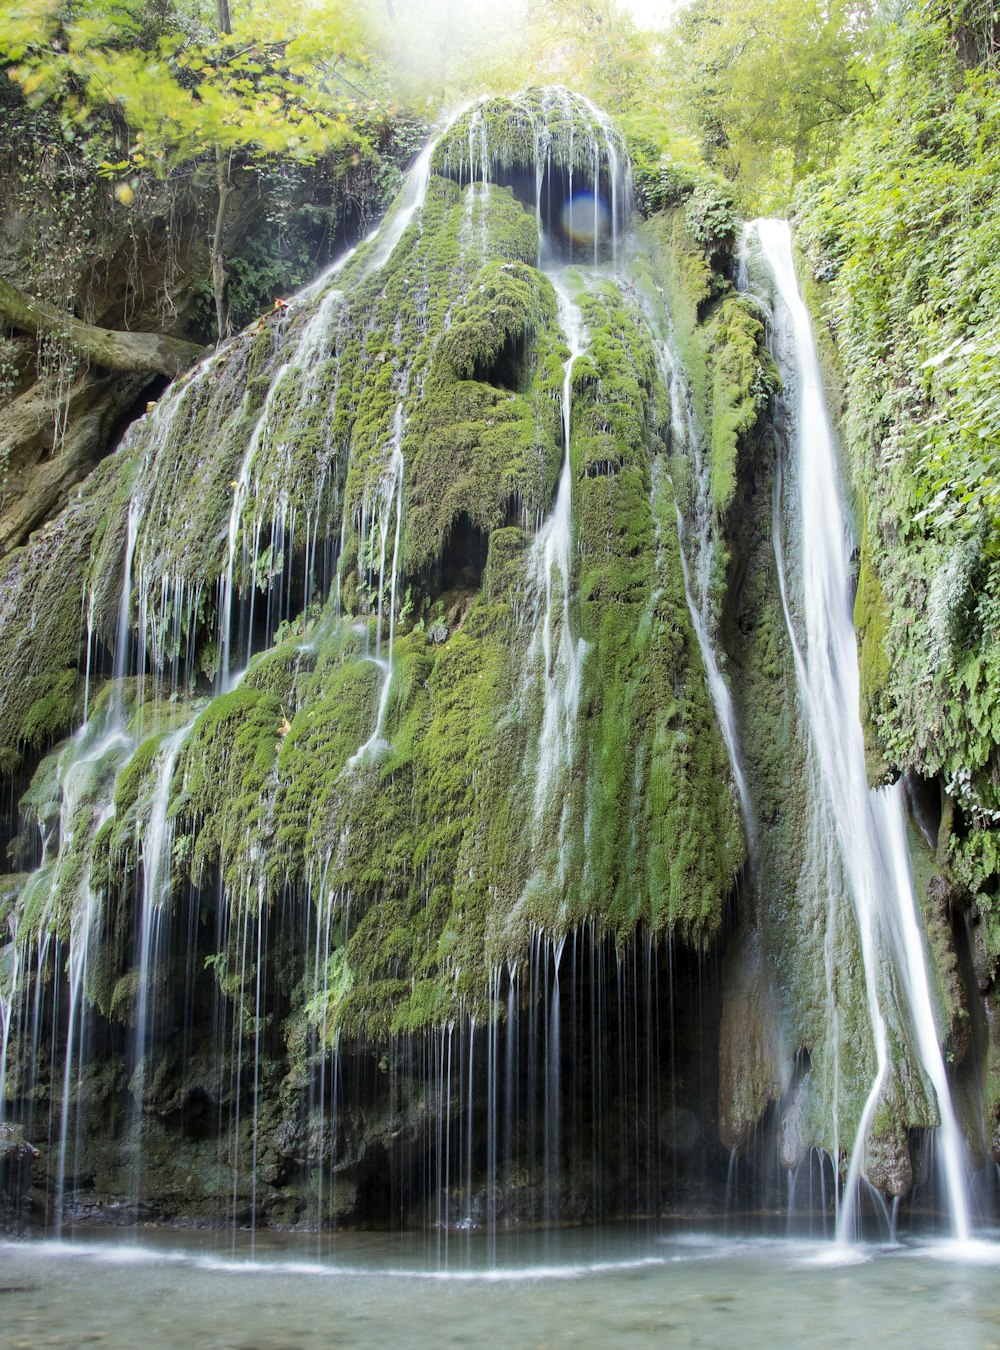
[866, 826]
[381, 521]
[551, 565]
[697, 559]
[593, 1289]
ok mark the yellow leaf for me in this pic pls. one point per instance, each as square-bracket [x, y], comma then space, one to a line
[32, 82]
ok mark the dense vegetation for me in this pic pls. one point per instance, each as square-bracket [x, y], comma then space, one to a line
[904, 228]
[138, 94]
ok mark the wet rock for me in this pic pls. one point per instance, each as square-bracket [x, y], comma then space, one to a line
[754, 1068]
[95, 1209]
[793, 1140]
[982, 962]
[888, 1166]
[305, 1142]
[16, 1158]
[44, 469]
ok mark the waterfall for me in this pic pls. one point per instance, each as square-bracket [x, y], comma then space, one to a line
[475, 981]
[156, 845]
[561, 155]
[866, 832]
[697, 553]
[407, 205]
[383, 515]
[551, 563]
[304, 357]
[85, 778]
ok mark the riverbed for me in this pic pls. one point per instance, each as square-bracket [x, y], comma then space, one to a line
[596, 1288]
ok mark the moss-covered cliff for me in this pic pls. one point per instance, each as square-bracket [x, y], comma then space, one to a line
[407, 765]
[309, 617]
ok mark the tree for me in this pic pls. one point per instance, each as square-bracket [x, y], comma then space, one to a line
[771, 89]
[149, 89]
[451, 52]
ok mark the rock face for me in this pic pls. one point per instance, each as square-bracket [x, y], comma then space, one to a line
[469, 784]
[115, 285]
[387, 875]
[17, 1158]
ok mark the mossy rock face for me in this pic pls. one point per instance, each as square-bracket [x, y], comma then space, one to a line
[411, 410]
[535, 130]
[744, 381]
[406, 710]
[871, 623]
[806, 1061]
[41, 623]
[373, 821]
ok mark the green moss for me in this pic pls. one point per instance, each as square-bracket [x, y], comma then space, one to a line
[227, 767]
[744, 382]
[131, 789]
[911, 299]
[42, 586]
[68, 793]
[511, 132]
[485, 433]
[506, 304]
[430, 852]
[871, 623]
[683, 276]
[645, 862]
[51, 713]
[818, 294]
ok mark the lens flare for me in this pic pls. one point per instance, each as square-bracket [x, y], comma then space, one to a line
[584, 218]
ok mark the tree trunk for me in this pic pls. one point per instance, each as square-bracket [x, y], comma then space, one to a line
[220, 278]
[223, 185]
[114, 350]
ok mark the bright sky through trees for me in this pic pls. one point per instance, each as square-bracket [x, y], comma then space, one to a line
[650, 13]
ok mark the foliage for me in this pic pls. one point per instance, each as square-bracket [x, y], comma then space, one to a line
[769, 91]
[272, 85]
[909, 222]
[450, 53]
[905, 229]
[143, 95]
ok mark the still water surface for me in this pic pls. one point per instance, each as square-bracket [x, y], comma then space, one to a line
[589, 1288]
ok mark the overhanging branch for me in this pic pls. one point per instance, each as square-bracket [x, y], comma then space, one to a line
[114, 350]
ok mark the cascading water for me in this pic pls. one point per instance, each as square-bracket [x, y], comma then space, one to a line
[562, 653]
[156, 846]
[304, 358]
[699, 544]
[561, 156]
[366, 997]
[865, 828]
[85, 776]
[378, 520]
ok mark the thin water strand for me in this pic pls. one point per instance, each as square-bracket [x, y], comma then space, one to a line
[551, 564]
[868, 825]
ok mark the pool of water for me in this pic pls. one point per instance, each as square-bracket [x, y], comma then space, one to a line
[583, 1288]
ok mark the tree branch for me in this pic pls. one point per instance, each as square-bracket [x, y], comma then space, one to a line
[153, 352]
